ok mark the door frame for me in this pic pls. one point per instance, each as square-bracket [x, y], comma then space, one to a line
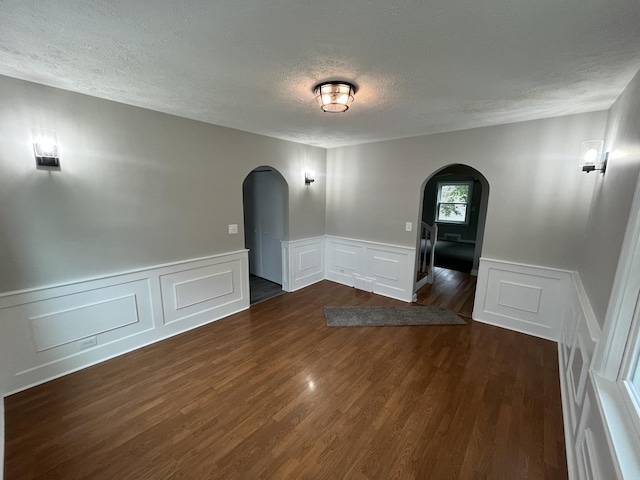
[482, 218]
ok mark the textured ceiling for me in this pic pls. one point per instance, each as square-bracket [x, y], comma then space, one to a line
[420, 66]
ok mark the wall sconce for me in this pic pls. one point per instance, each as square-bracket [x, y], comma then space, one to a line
[309, 177]
[593, 156]
[45, 147]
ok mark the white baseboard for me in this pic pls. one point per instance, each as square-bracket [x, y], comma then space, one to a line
[421, 283]
[383, 269]
[302, 263]
[524, 298]
[115, 314]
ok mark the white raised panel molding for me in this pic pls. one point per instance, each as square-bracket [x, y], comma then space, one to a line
[122, 312]
[345, 260]
[552, 304]
[56, 329]
[375, 267]
[593, 444]
[362, 283]
[302, 263]
[197, 291]
[524, 298]
[590, 435]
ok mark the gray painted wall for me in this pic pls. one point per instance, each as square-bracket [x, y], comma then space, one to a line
[137, 188]
[539, 201]
[612, 196]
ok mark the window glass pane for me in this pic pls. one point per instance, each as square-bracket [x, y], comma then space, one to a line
[452, 212]
[636, 379]
[634, 388]
[454, 193]
[633, 375]
[452, 202]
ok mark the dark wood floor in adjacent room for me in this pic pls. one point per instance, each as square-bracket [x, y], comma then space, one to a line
[262, 289]
[274, 393]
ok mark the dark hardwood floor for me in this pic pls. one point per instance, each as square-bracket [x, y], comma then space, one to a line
[450, 289]
[273, 393]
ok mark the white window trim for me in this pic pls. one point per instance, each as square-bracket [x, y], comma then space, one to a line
[468, 204]
[623, 436]
[610, 356]
[630, 365]
[616, 356]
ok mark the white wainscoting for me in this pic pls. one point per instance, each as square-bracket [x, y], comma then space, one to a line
[379, 268]
[524, 298]
[196, 292]
[109, 316]
[552, 304]
[577, 343]
[587, 434]
[593, 456]
[302, 263]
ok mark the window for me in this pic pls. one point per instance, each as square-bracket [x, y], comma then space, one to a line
[635, 382]
[631, 374]
[617, 359]
[616, 362]
[453, 202]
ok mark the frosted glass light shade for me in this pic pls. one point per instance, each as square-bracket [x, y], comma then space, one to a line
[592, 156]
[45, 147]
[334, 97]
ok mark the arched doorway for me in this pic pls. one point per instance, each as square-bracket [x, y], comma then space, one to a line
[265, 195]
[453, 212]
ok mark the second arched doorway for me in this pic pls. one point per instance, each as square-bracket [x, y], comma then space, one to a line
[265, 195]
[453, 214]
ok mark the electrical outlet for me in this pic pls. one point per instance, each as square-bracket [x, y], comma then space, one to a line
[88, 342]
[233, 228]
[408, 226]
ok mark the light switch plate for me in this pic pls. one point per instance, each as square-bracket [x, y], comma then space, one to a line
[233, 228]
[408, 226]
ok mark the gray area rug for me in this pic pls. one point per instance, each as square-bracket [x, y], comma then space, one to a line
[390, 316]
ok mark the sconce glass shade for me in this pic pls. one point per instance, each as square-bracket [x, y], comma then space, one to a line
[592, 157]
[45, 147]
[334, 97]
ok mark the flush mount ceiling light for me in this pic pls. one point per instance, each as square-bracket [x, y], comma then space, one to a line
[334, 97]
